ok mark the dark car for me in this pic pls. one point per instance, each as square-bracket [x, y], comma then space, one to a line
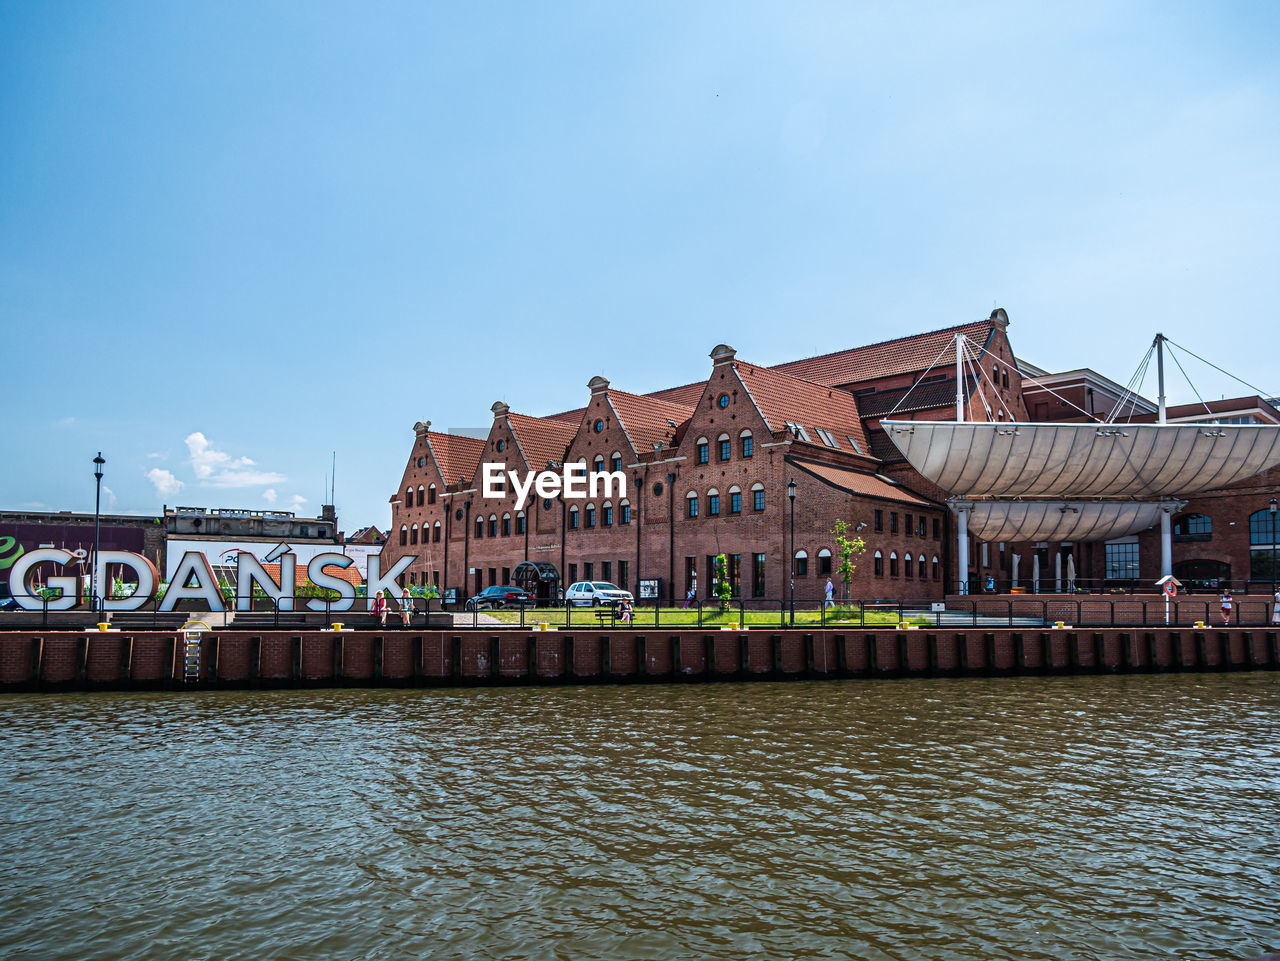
[496, 596]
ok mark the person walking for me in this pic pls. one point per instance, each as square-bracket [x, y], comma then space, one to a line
[1275, 607]
[693, 593]
[831, 589]
[1226, 603]
[380, 607]
[406, 606]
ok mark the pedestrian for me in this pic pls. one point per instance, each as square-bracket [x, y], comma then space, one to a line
[406, 606]
[625, 610]
[831, 589]
[1275, 607]
[688, 598]
[1226, 604]
[380, 607]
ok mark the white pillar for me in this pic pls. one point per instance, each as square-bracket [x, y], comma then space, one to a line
[1035, 571]
[962, 548]
[1166, 544]
[1057, 569]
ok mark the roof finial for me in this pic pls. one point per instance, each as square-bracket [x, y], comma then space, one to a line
[723, 354]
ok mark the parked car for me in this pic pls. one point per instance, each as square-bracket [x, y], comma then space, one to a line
[596, 594]
[500, 596]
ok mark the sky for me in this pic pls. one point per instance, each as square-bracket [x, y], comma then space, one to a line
[240, 239]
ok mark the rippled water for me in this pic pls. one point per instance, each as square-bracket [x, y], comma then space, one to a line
[1108, 818]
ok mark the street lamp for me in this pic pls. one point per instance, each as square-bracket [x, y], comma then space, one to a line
[791, 495]
[97, 517]
[1272, 508]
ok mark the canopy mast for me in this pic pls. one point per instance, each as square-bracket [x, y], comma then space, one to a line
[959, 381]
[1166, 518]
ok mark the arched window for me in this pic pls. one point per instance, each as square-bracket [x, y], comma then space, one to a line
[923, 573]
[692, 498]
[408, 497]
[713, 503]
[893, 563]
[824, 561]
[598, 464]
[703, 452]
[937, 570]
[422, 495]
[573, 518]
[404, 535]
[493, 525]
[413, 534]
[757, 497]
[748, 443]
[1264, 545]
[506, 525]
[1199, 526]
[435, 532]
[624, 512]
[879, 564]
[606, 514]
[802, 564]
[520, 522]
[479, 527]
[615, 461]
[431, 494]
[906, 565]
[590, 513]
[735, 499]
[722, 442]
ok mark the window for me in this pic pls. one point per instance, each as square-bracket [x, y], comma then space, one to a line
[936, 528]
[615, 462]
[854, 444]
[824, 561]
[906, 564]
[798, 432]
[520, 523]
[1004, 377]
[893, 563]
[623, 573]
[922, 568]
[1198, 527]
[479, 527]
[879, 520]
[757, 575]
[757, 497]
[598, 426]
[723, 443]
[573, 574]
[1122, 560]
[506, 525]
[893, 522]
[422, 495]
[1263, 550]
[748, 443]
[502, 445]
[588, 571]
[591, 518]
[879, 564]
[693, 503]
[606, 570]
[924, 527]
[431, 494]
[404, 535]
[597, 465]
[1260, 528]
[735, 500]
[624, 513]
[713, 503]
[937, 570]
[909, 527]
[493, 576]
[723, 401]
[408, 497]
[606, 519]
[413, 534]
[802, 564]
[435, 532]
[573, 518]
[493, 525]
[826, 437]
[703, 453]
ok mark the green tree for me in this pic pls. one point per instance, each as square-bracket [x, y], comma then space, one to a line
[723, 589]
[847, 548]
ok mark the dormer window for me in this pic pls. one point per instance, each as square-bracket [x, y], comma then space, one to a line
[826, 437]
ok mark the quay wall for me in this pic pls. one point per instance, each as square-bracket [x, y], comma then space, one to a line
[95, 660]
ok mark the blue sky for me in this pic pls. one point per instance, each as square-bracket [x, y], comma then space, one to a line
[237, 238]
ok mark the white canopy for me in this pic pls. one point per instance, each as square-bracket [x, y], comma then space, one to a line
[1084, 460]
[1059, 520]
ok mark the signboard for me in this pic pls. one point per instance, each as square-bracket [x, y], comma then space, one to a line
[451, 595]
[650, 588]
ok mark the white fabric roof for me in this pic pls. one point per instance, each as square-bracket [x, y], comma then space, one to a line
[1084, 460]
[1059, 520]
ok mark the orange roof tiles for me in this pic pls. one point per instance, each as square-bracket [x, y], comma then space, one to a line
[348, 574]
[455, 454]
[867, 485]
[541, 439]
[647, 420]
[782, 398]
[886, 359]
[685, 395]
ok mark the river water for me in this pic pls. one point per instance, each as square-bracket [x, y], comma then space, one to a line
[1055, 818]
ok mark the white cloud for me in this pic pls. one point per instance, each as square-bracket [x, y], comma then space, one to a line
[165, 483]
[111, 495]
[64, 422]
[217, 468]
[34, 505]
[298, 501]
[269, 495]
[155, 456]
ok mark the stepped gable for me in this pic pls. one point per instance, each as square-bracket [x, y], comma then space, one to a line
[541, 439]
[890, 358]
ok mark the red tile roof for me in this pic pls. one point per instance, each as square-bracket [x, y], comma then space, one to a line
[646, 420]
[455, 455]
[889, 358]
[348, 574]
[541, 439]
[866, 485]
[569, 416]
[782, 398]
[686, 394]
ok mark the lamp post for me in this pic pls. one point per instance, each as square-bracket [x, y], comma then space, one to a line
[791, 560]
[1272, 508]
[97, 517]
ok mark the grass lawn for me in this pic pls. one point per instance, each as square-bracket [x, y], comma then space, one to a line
[585, 617]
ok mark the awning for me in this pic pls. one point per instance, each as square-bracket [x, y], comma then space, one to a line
[1084, 460]
[1060, 520]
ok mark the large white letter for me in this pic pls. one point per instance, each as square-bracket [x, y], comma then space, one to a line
[522, 493]
[249, 572]
[575, 480]
[609, 479]
[193, 563]
[18, 580]
[346, 590]
[492, 474]
[147, 579]
[547, 484]
[377, 581]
